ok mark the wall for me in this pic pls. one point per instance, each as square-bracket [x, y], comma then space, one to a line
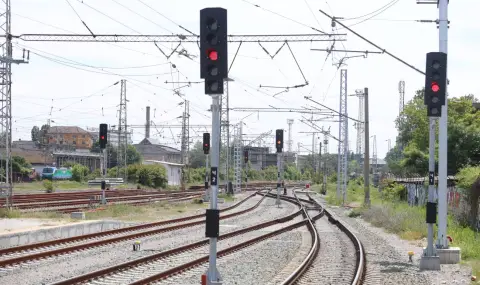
[82, 141]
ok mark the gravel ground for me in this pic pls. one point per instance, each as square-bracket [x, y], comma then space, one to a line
[257, 264]
[58, 268]
[387, 260]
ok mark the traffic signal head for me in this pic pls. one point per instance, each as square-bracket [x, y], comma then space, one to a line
[435, 83]
[279, 140]
[206, 143]
[245, 156]
[213, 49]
[103, 135]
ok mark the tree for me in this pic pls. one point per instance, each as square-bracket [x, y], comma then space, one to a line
[463, 134]
[196, 156]
[42, 134]
[133, 156]
[35, 132]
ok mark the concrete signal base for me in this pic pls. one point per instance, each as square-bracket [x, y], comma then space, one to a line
[449, 255]
[430, 263]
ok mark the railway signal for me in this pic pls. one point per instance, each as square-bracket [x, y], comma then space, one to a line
[435, 83]
[206, 143]
[245, 156]
[213, 49]
[279, 140]
[103, 135]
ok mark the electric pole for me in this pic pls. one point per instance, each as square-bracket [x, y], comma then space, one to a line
[343, 139]
[185, 142]
[290, 141]
[122, 133]
[6, 60]
[366, 159]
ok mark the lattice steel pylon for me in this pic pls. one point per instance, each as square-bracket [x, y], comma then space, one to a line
[6, 61]
[401, 105]
[360, 127]
[225, 134]
[324, 165]
[343, 139]
[401, 91]
[237, 156]
[122, 133]
[185, 142]
[290, 140]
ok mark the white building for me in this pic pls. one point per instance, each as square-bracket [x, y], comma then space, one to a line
[174, 171]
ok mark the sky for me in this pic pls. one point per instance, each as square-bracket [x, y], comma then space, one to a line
[74, 83]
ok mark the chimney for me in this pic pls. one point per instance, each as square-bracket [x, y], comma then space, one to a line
[147, 125]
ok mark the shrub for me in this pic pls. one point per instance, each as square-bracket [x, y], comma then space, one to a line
[48, 185]
[79, 172]
[95, 174]
[152, 176]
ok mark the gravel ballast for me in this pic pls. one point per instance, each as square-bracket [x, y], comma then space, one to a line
[387, 259]
[59, 268]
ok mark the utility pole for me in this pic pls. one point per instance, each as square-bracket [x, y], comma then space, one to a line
[6, 60]
[122, 133]
[147, 123]
[343, 139]
[401, 91]
[366, 160]
[325, 170]
[225, 132]
[279, 147]
[360, 126]
[237, 157]
[184, 143]
[389, 144]
[290, 141]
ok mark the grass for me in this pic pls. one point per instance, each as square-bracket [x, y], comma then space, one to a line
[407, 222]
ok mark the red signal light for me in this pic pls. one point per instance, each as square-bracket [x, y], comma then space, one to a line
[279, 142]
[435, 87]
[102, 137]
[212, 54]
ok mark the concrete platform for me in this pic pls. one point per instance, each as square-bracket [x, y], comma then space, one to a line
[430, 263]
[451, 255]
[46, 231]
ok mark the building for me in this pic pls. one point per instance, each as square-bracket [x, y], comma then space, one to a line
[69, 136]
[174, 171]
[256, 156]
[38, 158]
[91, 160]
[151, 149]
[112, 136]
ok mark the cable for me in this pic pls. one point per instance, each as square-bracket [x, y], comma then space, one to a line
[140, 15]
[180, 26]
[368, 41]
[285, 17]
[313, 14]
[364, 20]
[373, 12]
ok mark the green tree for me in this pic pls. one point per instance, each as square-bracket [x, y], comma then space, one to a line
[133, 156]
[196, 155]
[463, 133]
[35, 134]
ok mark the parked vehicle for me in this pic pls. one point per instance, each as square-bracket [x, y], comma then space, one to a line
[62, 174]
[47, 172]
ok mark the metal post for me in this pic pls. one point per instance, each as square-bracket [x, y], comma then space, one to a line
[207, 196]
[104, 172]
[431, 187]
[366, 158]
[213, 274]
[442, 241]
[279, 181]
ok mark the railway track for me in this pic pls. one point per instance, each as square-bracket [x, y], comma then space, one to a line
[78, 200]
[345, 264]
[15, 256]
[155, 268]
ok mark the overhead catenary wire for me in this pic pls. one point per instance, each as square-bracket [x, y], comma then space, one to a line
[370, 42]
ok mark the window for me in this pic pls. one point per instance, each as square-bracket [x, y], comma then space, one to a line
[74, 142]
[83, 136]
[74, 136]
[83, 142]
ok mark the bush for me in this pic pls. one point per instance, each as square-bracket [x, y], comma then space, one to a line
[152, 176]
[48, 185]
[79, 172]
[95, 174]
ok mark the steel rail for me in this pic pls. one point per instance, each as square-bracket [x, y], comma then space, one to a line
[227, 251]
[88, 245]
[161, 255]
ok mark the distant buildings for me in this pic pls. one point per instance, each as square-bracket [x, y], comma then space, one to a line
[71, 136]
[152, 149]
